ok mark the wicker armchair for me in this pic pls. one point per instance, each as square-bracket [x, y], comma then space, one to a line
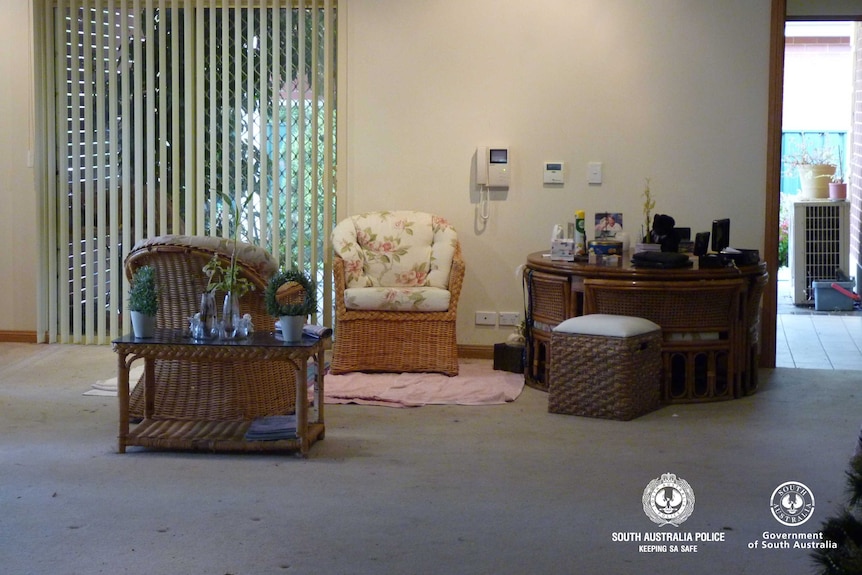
[216, 391]
[398, 277]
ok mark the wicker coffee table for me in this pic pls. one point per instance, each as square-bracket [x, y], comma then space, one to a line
[166, 433]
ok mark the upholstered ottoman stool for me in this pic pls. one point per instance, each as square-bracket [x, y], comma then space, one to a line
[605, 366]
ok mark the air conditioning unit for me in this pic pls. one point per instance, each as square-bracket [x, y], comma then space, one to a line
[819, 244]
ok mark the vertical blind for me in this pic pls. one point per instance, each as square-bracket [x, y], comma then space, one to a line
[155, 112]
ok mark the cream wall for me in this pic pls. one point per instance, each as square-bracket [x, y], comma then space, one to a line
[18, 205]
[673, 90]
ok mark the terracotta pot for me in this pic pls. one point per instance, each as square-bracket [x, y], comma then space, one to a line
[837, 191]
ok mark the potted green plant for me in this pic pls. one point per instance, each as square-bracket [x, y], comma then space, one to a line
[815, 167]
[647, 244]
[838, 187]
[144, 301]
[226, 279]
[291, 296]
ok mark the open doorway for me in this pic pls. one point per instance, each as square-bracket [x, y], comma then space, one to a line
[814, 329]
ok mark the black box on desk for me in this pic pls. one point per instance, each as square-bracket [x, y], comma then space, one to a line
[509, 357]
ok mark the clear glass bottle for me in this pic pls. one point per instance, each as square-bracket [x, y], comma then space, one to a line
[230, 316]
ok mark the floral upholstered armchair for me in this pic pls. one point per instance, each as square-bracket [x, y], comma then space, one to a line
[398, 278]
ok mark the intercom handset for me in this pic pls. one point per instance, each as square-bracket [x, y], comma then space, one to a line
[493, 167]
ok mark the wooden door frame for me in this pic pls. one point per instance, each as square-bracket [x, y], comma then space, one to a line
[778, 20]
[773, 181]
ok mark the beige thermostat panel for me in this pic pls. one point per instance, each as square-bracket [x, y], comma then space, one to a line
[554, 173]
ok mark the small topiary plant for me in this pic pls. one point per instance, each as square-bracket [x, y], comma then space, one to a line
[290, 292]
[143, 293]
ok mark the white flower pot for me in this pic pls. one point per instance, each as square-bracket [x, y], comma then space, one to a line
[814, 180]
[143, 326]
[291, 327]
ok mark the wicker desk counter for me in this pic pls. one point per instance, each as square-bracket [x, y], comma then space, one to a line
[215, 435]
[560, 290]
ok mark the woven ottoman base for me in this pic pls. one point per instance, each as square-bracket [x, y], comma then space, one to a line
[606, 377]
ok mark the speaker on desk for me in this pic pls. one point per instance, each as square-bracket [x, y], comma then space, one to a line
[701, 243]
[720, 234]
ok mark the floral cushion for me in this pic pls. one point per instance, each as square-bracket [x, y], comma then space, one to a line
[252, 256]
[397, 299]
[396, 249]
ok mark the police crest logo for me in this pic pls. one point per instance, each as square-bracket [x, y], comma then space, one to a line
[668, 500]
[792, 503]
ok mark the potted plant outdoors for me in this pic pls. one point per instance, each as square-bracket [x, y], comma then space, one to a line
[838, 187]
[144, 301]
[815, 168]
[291, 296]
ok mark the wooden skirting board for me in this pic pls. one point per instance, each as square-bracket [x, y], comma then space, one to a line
[476, 351]
[18, 336]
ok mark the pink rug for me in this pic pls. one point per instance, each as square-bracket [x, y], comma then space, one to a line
[477, 383]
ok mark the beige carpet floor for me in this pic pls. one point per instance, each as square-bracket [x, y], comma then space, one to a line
[503, 489]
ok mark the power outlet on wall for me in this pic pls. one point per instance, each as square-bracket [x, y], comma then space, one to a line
[486, 318]
[510, 318]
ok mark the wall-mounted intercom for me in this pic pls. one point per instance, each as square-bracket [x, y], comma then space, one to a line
[493, 167]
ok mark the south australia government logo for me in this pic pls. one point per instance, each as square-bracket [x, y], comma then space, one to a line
[668, 500]
[792, 503]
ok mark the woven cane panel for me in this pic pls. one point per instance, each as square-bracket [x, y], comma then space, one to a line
[700, 308]
[611, 378]
[400, 345]
[219, 391]
[548, 297]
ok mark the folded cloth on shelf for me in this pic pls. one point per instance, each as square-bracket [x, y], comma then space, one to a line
[317, 331]
[312, 330]
[271, 428]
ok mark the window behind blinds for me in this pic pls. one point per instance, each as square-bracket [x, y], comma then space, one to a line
[155, 108]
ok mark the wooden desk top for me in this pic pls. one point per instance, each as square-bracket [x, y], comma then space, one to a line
[625, 270]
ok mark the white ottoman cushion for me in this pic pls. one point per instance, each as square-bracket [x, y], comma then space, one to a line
[607, 325]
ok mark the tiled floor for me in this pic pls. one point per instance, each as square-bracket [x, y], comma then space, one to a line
[811, 339]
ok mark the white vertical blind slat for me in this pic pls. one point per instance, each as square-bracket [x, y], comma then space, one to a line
[59, 310]
[289, 190]
[87, 197]
[149, 103]
[301, 95]
[273, 229]
[209, 193]
[138, 112]
[266, 135]
[195, 115]
[115, 265]
[99, 41]
[76, 176]
[126, 139]
[176, 150]
[164, 183]
[227, 104]
[329, 147]
[315, 132]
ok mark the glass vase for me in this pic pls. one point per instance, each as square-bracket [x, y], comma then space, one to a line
[207, 325]
[230, 316]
